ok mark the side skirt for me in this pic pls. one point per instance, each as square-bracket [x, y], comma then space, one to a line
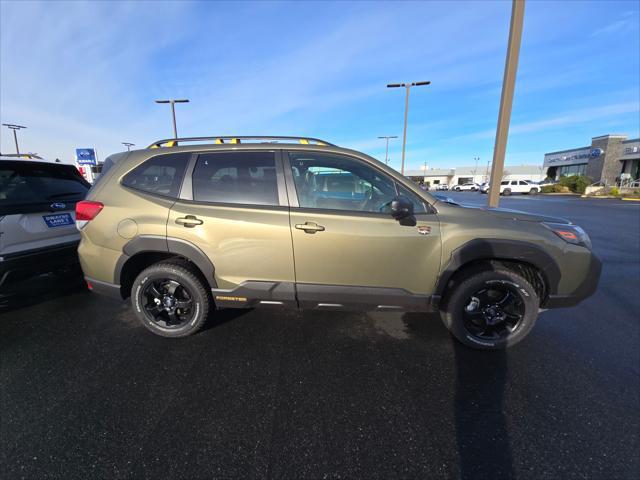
[322, 297]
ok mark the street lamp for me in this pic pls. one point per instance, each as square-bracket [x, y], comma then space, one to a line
[406, 111]
[13, 127]
[475, 170]
[173, 102]
[128, 145]
[386, 154]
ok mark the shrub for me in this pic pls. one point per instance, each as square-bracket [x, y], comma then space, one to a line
[548, 189]
[575, 183]
[614, 191]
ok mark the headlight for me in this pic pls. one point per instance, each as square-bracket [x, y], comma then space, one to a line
[570, 233]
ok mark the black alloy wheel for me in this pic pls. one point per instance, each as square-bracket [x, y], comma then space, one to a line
[171, 298]
[168, 303]
[490, 308]
[494, 313]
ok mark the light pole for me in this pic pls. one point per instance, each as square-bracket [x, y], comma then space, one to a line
[128, 145]
[13, 127]
[386, 153]
[406, 112]
[173, 102]
[475, 170]
[506, 100]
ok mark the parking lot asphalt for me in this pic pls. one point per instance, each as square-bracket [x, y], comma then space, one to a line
[87, 392]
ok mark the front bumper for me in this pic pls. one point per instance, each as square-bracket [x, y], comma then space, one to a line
[30, 263]
[585, 289]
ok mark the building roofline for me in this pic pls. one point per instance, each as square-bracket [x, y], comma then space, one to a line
[632, 140]
[609, 136]
[568, 150]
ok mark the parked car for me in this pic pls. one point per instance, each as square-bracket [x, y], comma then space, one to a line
[507, 187]
[37, 218]
[442, 187]
[246, 222]
[484, 188]
[546, 183]
[466, 187]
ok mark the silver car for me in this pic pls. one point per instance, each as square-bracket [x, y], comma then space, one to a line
[37, 218]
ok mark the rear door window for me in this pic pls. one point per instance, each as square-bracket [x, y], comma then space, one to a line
[247, 178]
[29, 186]
[160, 175]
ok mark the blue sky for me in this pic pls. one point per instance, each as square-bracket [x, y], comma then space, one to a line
[86, 74]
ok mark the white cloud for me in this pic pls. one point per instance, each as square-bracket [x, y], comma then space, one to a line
[574, 117]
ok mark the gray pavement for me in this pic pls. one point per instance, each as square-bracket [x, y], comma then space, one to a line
[86, 392]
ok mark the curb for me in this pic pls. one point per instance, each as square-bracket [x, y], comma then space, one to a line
[631, 199]
[565, 194]
[599, 196]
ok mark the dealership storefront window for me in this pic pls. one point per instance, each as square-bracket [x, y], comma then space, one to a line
[568, 170]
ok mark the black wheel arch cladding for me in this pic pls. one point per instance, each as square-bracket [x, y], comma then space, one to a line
[505, 250]
[161, 244]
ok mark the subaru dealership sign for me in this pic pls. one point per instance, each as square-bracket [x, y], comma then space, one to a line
[86, 156]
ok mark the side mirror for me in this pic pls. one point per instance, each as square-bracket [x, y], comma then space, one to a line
[401, 207]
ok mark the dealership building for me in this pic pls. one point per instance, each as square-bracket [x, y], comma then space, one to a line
[609, 159]
[479, 174]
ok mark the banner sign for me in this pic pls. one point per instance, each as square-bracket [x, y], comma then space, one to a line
[86, 156]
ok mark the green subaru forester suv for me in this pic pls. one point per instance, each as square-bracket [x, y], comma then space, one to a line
[194, 224]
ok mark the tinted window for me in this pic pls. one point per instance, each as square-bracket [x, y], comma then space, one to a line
[506, 182]
[340, 183]
[27, 183]
[161, 175]
[523, 183]
[514, 182]
[106, 166]
[236, 177]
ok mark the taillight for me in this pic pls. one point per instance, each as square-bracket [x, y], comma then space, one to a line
[87, 211]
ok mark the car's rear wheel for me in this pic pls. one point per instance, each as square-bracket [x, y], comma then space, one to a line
[491, 310]
[170, 300]
[533, 191]
[506, 192]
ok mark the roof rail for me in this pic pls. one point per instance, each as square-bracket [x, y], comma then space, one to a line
[172, 142]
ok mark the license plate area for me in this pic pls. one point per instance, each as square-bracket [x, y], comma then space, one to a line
[58, 220]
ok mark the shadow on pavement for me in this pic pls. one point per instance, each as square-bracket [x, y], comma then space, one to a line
[222, 316]
[481, 427]
[482, 437]
[40, 289]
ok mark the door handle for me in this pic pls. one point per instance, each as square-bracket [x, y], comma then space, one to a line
[310, 227]
[189, 221]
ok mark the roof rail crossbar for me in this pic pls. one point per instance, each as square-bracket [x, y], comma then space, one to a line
[172, 142]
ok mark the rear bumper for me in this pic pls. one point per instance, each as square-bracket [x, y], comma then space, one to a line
[106, 289]
[34, 262]
[584, 290]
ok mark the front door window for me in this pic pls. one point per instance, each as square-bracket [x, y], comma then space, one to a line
[336, 182]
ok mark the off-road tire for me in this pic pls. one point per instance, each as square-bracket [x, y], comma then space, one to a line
[184, 275]
[456, 300]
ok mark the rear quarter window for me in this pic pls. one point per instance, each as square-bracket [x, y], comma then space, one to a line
[160, 175]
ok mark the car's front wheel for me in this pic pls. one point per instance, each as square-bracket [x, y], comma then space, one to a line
[170, 300]
[492, 309]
